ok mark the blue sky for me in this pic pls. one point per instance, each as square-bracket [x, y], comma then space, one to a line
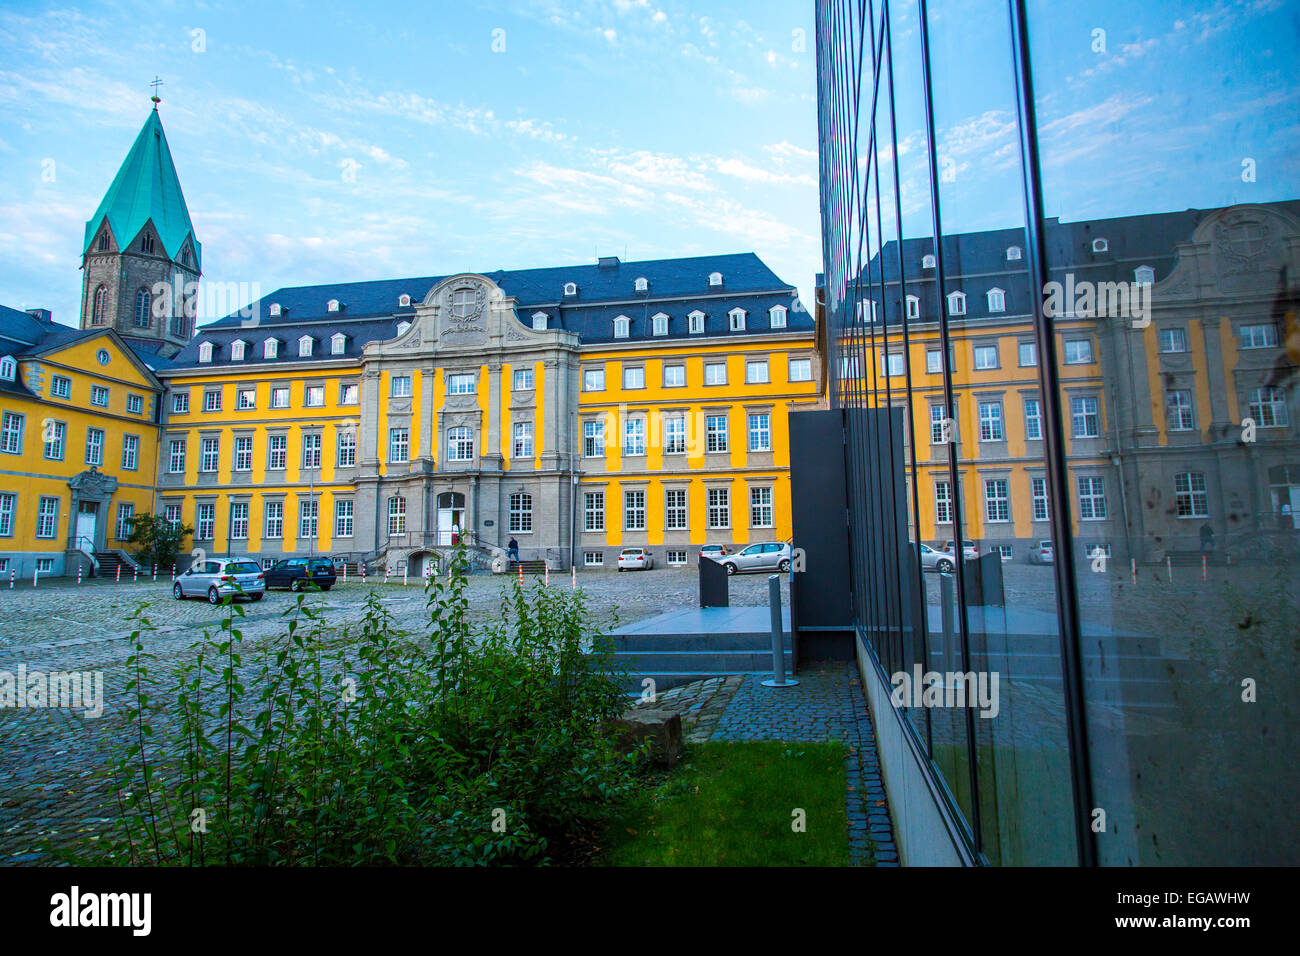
[330, 141]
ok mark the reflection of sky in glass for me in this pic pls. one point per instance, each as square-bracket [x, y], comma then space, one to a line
[1160, 117]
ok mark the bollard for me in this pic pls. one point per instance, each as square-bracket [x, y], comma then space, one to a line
[546, 578]
[573, 576]
[405, 569]
[11, 579]
[386, 570]
[1169, 568]
[36, 573]
[521, 573]
[80, 569]
[345, 572]
[363, 572]
[173, 574]
[119, 571]
[155, 573]
[135, 575]
[1204, 569]
[1133, 569]
[778, 635]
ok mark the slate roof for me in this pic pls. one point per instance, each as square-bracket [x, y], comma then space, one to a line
[975, 262]
[146, 188]
[24, 336]
[369, 311]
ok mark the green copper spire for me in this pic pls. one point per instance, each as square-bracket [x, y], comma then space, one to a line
[146, 187]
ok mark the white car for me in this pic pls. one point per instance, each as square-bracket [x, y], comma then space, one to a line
[932, 560]
[635, 559]
[764, 556]
[220, 578]
[1041, 552]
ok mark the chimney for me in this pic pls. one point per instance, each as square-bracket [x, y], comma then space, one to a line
[42, 314]
[607, 262]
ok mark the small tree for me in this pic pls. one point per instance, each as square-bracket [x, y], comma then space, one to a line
[158, 541]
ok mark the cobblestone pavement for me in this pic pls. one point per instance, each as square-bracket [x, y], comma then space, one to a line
[700, 703]
[828, 704]
[50, 758]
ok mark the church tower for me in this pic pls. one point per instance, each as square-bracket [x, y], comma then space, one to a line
[140, 260]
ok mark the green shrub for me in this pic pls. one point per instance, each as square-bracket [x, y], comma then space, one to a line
[474, 746]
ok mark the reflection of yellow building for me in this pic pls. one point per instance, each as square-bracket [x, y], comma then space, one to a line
[78, 443]
[1152, 404]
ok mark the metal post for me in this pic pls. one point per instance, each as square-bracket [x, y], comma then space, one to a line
[947, 603]
[1169, 568]
[80, 569]
[1133, 569]
[778, 635]
[573, 576]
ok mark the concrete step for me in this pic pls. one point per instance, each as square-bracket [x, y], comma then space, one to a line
[680, 643]
[667, 680]
[712, 662]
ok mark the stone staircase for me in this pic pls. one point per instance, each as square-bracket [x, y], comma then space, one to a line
[528, 567]
[110, 561]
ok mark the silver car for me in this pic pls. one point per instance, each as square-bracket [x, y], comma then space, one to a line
[765, 556]
[217, 578]
[932, 560]
[1041, 552]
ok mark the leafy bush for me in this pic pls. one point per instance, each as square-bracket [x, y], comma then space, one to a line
[476, 746]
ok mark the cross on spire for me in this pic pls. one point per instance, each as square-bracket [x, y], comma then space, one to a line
[156, 98]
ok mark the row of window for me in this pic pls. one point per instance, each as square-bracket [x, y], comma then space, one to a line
[246, 397]
[715, 373]
[271, 347]
[47, 516]
[1191, 500]
[672, 435]
[736, 322]
[717, 510]
[61, 387]
[54, 437]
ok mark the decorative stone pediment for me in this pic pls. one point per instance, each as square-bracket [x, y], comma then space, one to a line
[93, 484]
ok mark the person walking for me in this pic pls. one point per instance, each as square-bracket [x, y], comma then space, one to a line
[512, 550]
[1207, 538]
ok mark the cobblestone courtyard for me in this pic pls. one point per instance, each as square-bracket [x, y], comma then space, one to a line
[50, 758]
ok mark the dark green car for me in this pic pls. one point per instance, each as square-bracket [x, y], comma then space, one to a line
[299, 573]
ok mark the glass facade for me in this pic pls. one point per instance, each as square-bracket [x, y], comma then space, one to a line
[1062, 275]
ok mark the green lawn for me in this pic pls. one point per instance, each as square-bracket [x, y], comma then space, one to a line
[734, 804]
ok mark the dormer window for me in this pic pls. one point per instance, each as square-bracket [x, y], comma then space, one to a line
[403, 300]
[956, 303]
[8, 368]
[715, 278]
[570, 288]
[205, 352]
[539, 321]
[642, 284]
[275, 309]
[695, 322]
[777, 316]
[237, 350]
[660, 320]
[913, 307]
[997, 300]
[737, 317]
[1144, 275]
[338, 342]
[270, 348]
[403, 328]
[927, 261]
[1013, 253]
[304, 346]
[332, 305]
[622, 327]
[1100, 245]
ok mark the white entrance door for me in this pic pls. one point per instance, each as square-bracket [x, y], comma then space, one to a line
[87, 515]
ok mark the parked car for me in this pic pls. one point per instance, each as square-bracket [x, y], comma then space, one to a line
[299, 573]
[218, 578]
[968, 549]
[932, 560]
[635, 559]
[714, 552]
[1040, 552]
[764, 556]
